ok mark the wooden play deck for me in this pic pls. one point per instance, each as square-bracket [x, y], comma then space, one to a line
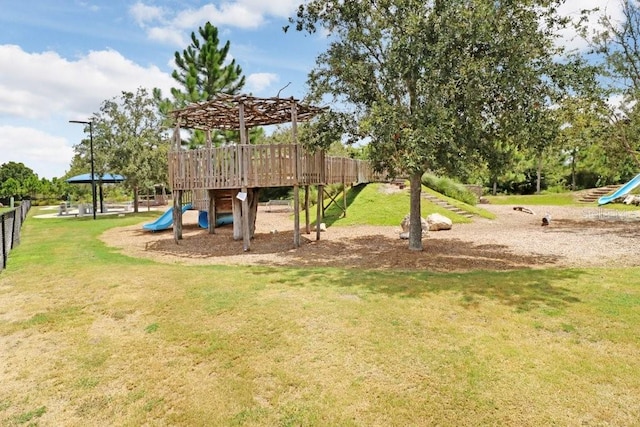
[228, 177]
[257, 166]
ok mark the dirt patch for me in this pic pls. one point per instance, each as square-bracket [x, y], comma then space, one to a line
[577, 237]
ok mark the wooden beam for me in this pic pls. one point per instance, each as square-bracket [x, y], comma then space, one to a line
[236, 208]
[211, 213]
[335, 202]
[306, 210]
[344, 199]
[319, 211]
[296, 215]
[246, 232]
[177, 215]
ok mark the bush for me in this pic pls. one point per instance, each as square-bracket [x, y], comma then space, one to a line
[449, 188]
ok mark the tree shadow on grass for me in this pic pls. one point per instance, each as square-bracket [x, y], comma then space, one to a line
[522, 289]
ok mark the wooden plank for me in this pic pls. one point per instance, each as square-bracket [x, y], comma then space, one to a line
[306, 210]
[237, 217]
[319, 211]
[296, 214]
[211, 212]
[177, 215]
[246, 232]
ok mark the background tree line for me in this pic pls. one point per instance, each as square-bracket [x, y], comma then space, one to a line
[478, 90]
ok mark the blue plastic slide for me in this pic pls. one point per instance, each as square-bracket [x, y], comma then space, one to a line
[203, 219]
[165, 221]
[620, 191]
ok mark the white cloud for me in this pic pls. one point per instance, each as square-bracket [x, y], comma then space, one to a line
[571, 9]
[229, 14]
[246, 14]
[144, 14]
[47, 155]
[166, 35]
[39, 85]
[41, 92]
[258, 82]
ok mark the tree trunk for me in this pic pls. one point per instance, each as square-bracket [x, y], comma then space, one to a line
[539, 174]
[415, 226]
[135, 199]
[495, 187]
[573, 170]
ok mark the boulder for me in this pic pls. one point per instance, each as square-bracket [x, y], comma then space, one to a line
[438, 222]
[632, 199]
[405, 224]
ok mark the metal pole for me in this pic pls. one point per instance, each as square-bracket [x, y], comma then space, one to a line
[93, 176]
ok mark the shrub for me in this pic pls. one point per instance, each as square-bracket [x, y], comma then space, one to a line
[449, 188]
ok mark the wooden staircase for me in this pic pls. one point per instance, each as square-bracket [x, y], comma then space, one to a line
[444, 204]
[592, 195]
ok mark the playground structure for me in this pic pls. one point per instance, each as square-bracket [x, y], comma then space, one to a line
[226, 180]
[165, 220]
[620, 192]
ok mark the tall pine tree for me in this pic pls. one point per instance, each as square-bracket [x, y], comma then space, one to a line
[202, 72]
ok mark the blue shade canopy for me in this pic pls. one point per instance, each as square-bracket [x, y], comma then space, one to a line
[85, 178]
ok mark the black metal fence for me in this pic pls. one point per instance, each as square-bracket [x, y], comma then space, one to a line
[11, 224]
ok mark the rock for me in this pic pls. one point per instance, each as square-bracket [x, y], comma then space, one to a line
[632, 200]
[439, 222]
[323, 227]
[405, 224]
[483, 200]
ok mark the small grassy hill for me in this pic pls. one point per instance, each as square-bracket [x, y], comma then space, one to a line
[379, 204]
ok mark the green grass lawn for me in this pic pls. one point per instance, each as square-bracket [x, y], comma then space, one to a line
[91, 337]
[367, 205]
[557, 199]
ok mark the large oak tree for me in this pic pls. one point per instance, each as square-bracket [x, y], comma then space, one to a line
[431, 84]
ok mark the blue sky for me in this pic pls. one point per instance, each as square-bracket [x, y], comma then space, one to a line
[59, 60]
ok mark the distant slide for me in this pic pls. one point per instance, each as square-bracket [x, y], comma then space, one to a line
[620, 191]
[203, 219]
[165, 221]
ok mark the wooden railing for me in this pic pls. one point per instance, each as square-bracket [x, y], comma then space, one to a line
[273, 165]
[350, 171]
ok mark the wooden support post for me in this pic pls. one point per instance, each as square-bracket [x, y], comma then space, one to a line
[254, 194]
[211, 213]
[296, 215]
[296, 186]
[177, 215]
[244, 193]
[344, 198]
[319, 211]
[306, 210]
[246, 232]
[236, 207]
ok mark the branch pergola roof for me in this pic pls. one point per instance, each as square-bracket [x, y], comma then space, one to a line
[236, 112]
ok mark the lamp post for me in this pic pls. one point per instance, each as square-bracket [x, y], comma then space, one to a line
[93, 177]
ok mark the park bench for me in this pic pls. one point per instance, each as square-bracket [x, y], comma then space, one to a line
[272, 203]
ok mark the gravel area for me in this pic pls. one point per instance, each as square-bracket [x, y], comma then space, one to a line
[576, 237]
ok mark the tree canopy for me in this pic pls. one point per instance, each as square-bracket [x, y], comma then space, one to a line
[129, 139]
[17, 180]
[433, 84]
[619, 43]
